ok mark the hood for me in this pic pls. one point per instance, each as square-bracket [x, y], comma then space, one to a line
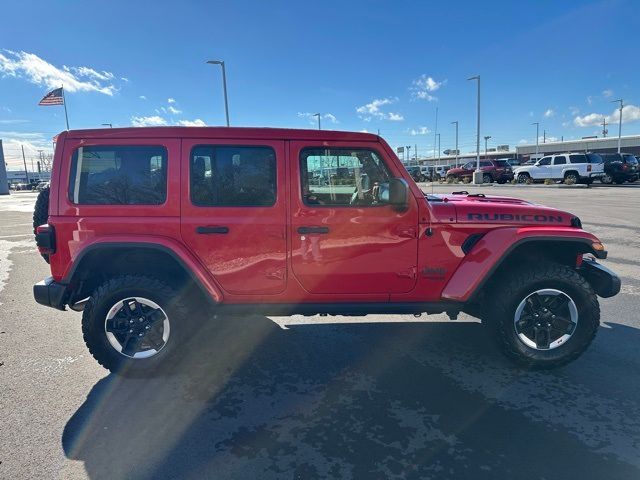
[483, 209]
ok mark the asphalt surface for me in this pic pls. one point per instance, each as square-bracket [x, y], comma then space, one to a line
[427, 399]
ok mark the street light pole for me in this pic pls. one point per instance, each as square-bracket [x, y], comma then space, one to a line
[477, 175]
[456, 124]
[486, 138]
[318, 115]
[224, 86]
[619, 124]
[438, 137]
[537, 124]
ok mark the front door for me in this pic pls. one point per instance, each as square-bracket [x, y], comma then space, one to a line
[234, 214]
[345, 237]
[543, 169]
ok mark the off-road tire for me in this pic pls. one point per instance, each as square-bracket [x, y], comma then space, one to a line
[41, 213]
[120, 288]
[523, 177]
[509, 290]
[606, 179]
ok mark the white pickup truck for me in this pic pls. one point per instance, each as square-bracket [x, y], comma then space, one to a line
[576, 167]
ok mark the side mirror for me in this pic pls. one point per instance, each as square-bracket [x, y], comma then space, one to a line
[399, 194]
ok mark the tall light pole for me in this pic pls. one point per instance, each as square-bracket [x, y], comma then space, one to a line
[224, 86]
[537, 124]
[435, 134]
[486, 139]
[318, 115]
[456, 124]
[477, 175]
[438, 138]
[619, 124]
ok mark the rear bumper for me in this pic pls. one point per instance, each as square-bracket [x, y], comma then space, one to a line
[50, 293]
[605, 283]
[596, 174]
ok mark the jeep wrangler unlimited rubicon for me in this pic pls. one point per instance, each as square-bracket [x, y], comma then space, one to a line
[143, 227]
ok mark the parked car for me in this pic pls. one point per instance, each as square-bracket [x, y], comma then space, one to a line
[416, 173]
[514, 162]
[619, 168]
[42, 185]
[573, 167]
[492, 171]
[162, 228]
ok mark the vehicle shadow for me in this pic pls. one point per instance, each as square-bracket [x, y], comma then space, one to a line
[418, 400]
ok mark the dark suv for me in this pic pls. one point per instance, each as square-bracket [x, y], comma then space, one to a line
[619, 168]
[492, 171]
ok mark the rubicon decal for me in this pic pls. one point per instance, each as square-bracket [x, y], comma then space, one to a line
[511, 217]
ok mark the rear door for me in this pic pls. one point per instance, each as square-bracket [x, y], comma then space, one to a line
[559, 166]
[233, 212]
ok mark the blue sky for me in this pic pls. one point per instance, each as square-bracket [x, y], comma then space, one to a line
[363, 65]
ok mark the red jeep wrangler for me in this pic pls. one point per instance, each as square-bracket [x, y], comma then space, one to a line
[147, 226]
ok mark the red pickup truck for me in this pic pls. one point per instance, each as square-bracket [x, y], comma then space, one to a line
[143, 226]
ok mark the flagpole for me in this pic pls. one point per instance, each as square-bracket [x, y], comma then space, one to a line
[64, 102]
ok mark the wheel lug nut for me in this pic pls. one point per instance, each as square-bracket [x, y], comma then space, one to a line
[147, 327]
[139, 334]
[130, 331]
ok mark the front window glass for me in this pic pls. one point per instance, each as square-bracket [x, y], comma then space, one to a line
[332, 176]
[233, 176]
[118, 175]
[545, 161]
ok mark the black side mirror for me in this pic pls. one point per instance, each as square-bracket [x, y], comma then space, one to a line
[399, 194]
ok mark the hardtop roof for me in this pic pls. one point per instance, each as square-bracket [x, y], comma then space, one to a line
[235, 133]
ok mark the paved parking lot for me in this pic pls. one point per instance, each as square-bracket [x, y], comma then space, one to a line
[427, 399]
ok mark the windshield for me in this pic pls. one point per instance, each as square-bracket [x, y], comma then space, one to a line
[594, 158]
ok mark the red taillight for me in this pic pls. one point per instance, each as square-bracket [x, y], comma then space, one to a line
[625, 166]
[46, 239]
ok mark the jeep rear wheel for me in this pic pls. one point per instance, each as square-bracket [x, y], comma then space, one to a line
[545, 315]
[606, 179]
[571, 177]
[133, 324]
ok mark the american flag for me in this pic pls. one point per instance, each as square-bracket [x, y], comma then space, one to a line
[54, 97]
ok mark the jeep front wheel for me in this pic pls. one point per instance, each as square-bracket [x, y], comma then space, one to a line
[544, 316]
[523, 177]
[133, 324]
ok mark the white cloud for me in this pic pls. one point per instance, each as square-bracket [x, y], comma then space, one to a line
[549, 113]
[630, 113]
[574, 110]
[588, 120]
[13, 121]
[171, 100]
[419, 131]
[313, 119]
[142, 97]
[423, 87]
[523, 141]
[40, 72]
[549, 139]
[12, 143]
[364, 130]
[152, 121]
[589, 99]
[174, 110]
[608, 93]
[372, 110]
[192, 123]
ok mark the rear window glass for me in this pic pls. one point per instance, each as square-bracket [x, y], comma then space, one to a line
[118, 175]
[233, 176]
[503, 163]
[630, 159]
[594, 158]
[578, 158]
[561, 160]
